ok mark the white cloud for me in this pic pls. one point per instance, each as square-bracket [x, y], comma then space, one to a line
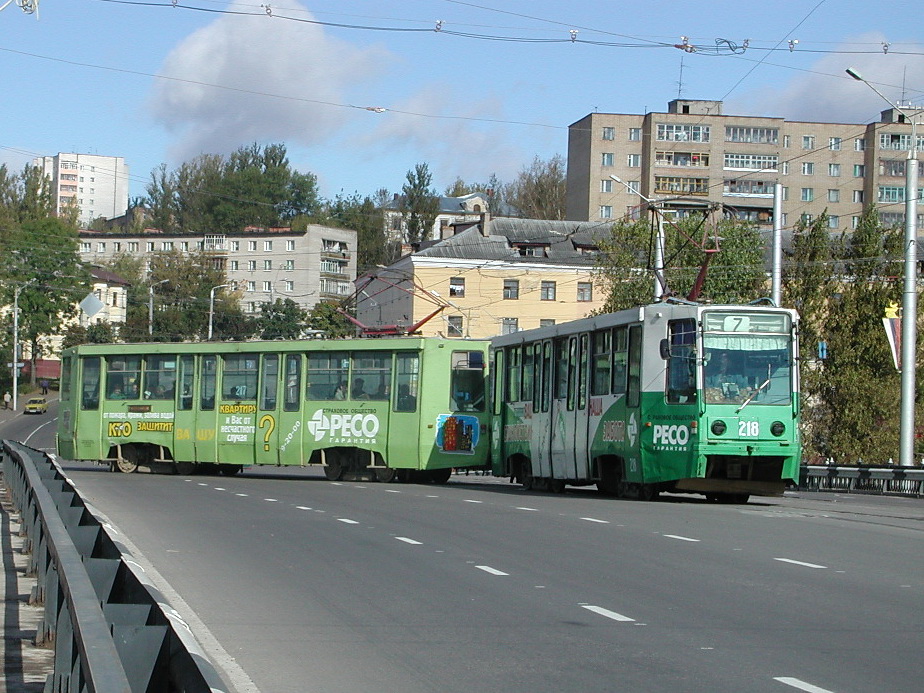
[266, 55]
[828, 94]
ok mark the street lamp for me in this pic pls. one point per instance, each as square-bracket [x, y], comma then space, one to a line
[151, 305]
[212, 304]
[910, 291]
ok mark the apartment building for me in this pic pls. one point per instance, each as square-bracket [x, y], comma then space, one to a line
[96, 185]
[264, 264]
[450, 211]
[694, 155]
[492, 277]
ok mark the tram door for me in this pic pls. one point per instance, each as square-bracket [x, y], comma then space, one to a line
[566, 414]
[266, 438]
[580, 459]
[184, 432]
[290, 428]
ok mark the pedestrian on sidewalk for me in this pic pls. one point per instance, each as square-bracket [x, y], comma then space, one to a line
[7, 400]
[44, 385]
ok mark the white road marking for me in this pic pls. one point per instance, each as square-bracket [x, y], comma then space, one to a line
[219, 488]
[801, 685]
[535, 510]
[302, 507]
[392, 490]
[607, 613]
[409, 541]
[677, 536]
[473, 501]
[242, 495]
[593, 519]
[431, 496]
[271, 500]
[802, 563]
[347, 521]
[489, 569]
[202, 484]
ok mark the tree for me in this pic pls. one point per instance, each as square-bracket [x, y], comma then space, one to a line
[539, 192]
[325, 318]
[363, 215]
[282, 319]
[421, 205]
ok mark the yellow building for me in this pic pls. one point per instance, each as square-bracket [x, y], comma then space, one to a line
[495, 277]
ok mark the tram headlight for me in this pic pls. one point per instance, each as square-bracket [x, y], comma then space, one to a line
[718, 427]
[778, 428]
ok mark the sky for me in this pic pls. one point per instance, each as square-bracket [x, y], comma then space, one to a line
[361, 91]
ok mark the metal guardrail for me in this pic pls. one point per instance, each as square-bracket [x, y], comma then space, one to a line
[112, 631]
[904, 481]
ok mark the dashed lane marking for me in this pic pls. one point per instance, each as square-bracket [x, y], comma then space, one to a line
[607, 613]
[801, 685]
[593, 519]
[677, 536]
[347, 521]
[473, 501]
[535, 510]
[492, 571]
[406, 540]
[271, 500]
[802, 563]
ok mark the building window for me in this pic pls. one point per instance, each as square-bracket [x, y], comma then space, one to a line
[753, 135]
[268, 287]
[700, 159]
[290, 245]
[85, 247]
[235, 245]
[606, 185]
[859, 170]
[806, 218]
[606, 211]
[634, 160]
[133, 246]
[252, 265]
[635, 134]
[752, 162]
[546, 322]
[859, 144]
[585, 291]
[267, 265]
[833, 222]
[808, 141]
[457, 287]
[834, 143]
[808, 194]
[783, 219]
[509, 325]
[834, 170]
[607, 159]
[454, 325]
[834, 195]
[784, 168]
[288, 285]
[684, 186]
[748, 187]
[117, 247]
[251, 286]
[267, 245]
[609, 133]
[858, 196]
[785, 193]
[854, 223]
[251, 245]
[184, 246]
[166, 246]
[808, 168]
[511, 288]
[232, 265]
[150, 246]
[547, 291]
[787, 141]
[676, 132]
[288, 265]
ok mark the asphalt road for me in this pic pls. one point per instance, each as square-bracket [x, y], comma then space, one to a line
[297, 584]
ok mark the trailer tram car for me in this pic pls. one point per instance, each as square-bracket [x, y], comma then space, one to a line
[666, 397]
[407, 408]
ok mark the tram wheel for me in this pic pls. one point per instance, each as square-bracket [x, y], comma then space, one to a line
[440, 476]
[526, 475]
[229, 469]
[334, 470]
[185, 468]
[126, 462]
[557, 485]
[647, 492]
[386, 475]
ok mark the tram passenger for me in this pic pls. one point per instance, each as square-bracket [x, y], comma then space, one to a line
[406, 401]
[340, 390]
[359, 389]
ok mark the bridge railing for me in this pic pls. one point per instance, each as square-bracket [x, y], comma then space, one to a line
[890, 480]
[111, 630]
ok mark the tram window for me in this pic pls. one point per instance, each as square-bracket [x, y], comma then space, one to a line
[600, 365]
[572, 367]
[89, 398]
[207, 370]
[681, 363]
[546, 374]
[497, 379]
[187, 362]
[239, 377]
[467, 386]
[582, 372]
[407, 381]
[561, 369]
[270, 384]
[537, 376]
[526, 392]
[293, 379]
[634, 391]
[620, 359]
[123, 377]
[371, 376]
[513, 375]
[159, 376]
[66, 364]
[327, 375]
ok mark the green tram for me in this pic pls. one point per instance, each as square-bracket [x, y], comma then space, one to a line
[406, 408]
[671, 396]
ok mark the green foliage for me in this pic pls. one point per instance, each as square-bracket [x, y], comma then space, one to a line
[626, 262]
[254, 186]
[97, 333]
[282, 319]
[363, 215]
[539, 192]
[325, 318]
[421, 204]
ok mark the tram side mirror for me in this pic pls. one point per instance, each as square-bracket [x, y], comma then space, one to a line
[665, 349]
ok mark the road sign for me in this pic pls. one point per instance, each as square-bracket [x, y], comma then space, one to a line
[18, 365]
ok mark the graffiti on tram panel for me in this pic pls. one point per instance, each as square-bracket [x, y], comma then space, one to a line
[457, 433]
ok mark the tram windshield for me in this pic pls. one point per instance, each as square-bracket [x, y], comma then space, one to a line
[748, 358]
[467, 381]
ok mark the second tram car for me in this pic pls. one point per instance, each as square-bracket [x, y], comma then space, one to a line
[666, 397]
[404, 407]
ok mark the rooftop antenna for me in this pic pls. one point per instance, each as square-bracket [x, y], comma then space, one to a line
[680, 81]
